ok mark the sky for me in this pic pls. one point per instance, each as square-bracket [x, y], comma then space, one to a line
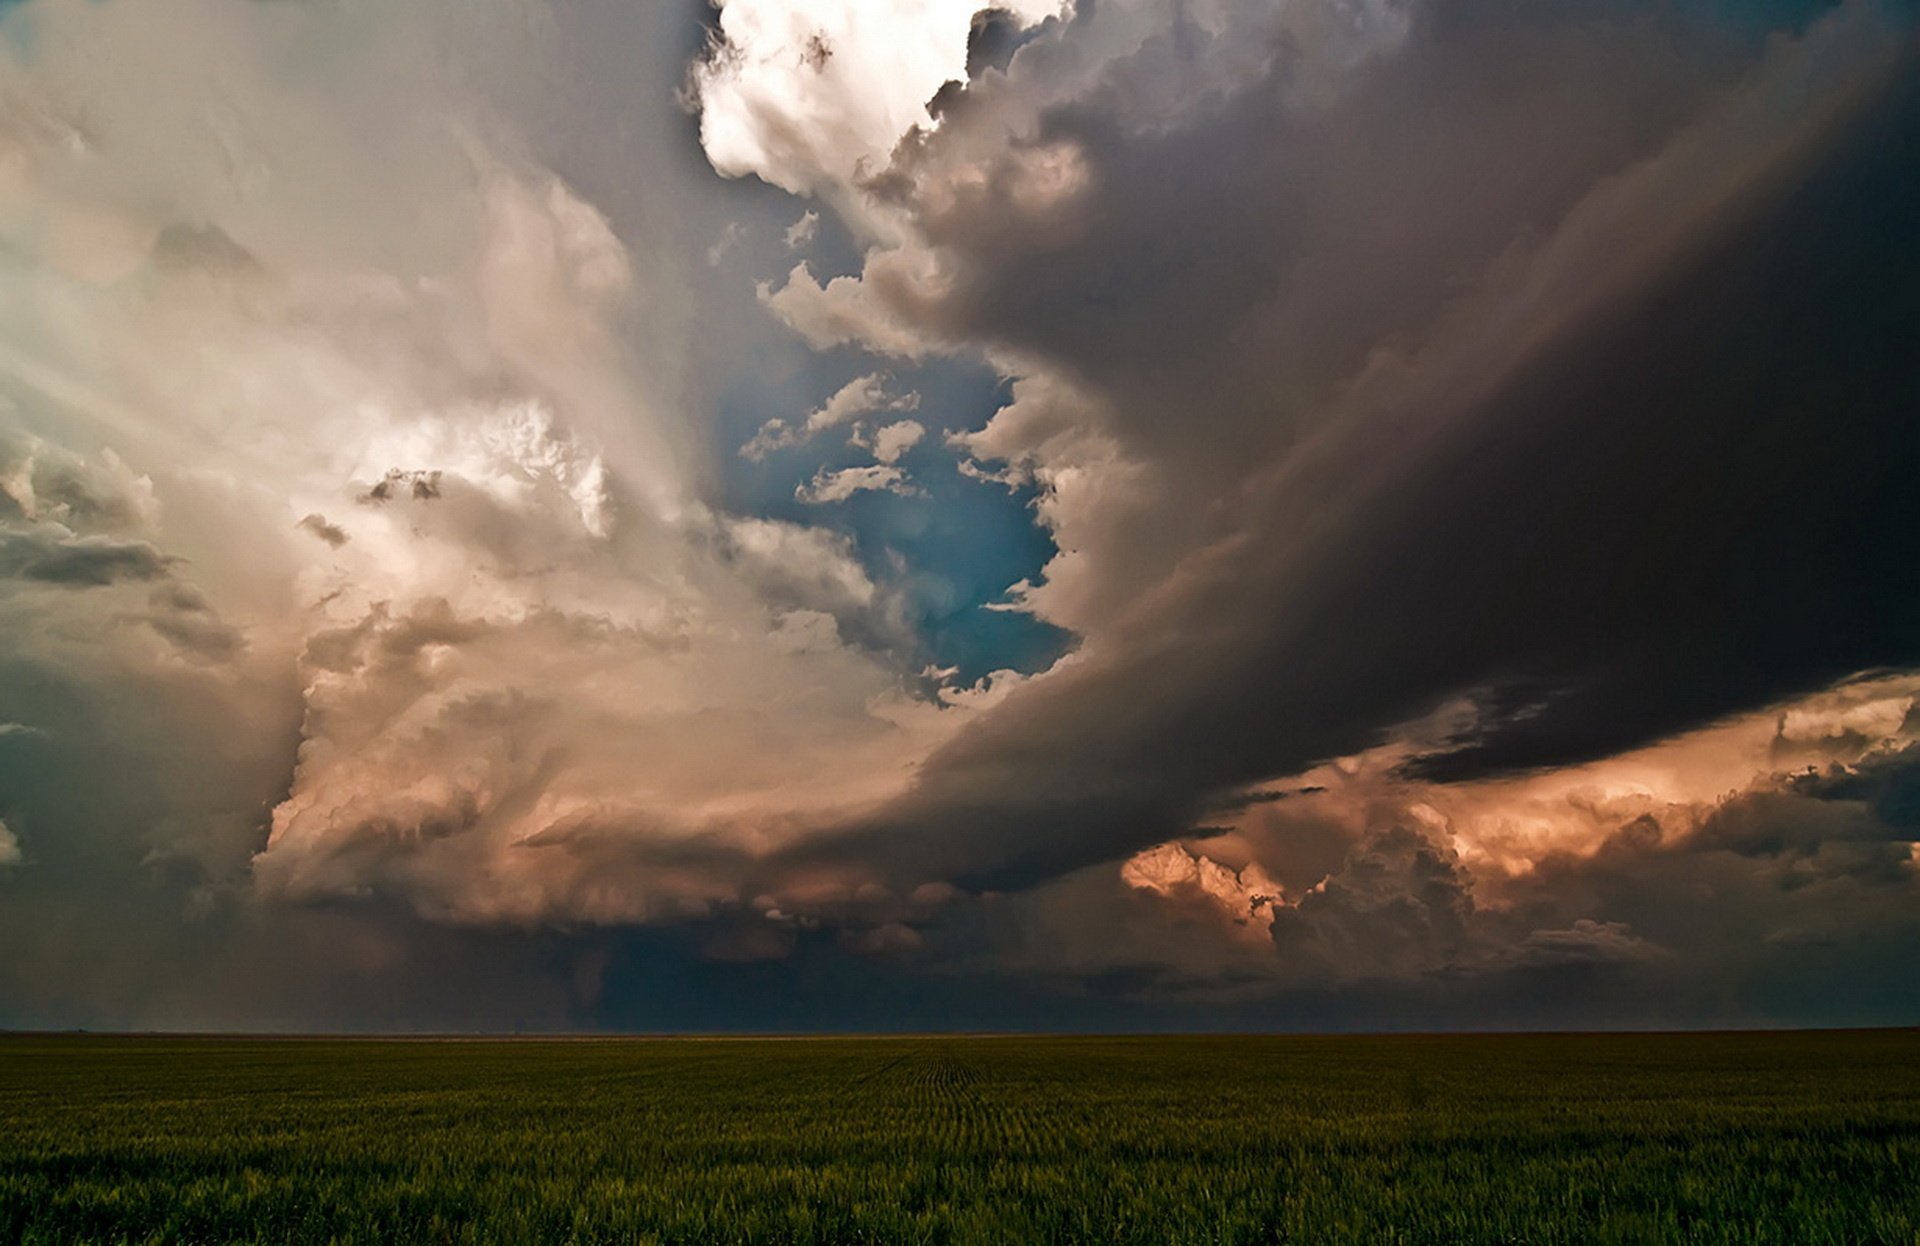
[844, 515]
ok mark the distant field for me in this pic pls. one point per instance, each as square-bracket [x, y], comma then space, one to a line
[1798, 1138]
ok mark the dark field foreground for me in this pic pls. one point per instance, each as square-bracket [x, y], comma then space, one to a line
[1790, 1138]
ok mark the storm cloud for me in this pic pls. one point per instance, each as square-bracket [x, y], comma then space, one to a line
[1587, 494]
[1424, 487]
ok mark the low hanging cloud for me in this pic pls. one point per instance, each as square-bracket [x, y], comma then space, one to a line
[51, 554]
[1384, 875]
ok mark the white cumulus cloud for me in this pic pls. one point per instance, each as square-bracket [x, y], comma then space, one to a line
[863, 395]
[837, 486]
[806, 94]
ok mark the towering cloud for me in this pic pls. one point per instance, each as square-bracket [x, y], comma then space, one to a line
[1468, 455]
[326, 411]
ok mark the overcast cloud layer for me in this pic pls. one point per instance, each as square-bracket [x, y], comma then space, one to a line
[1345, 513]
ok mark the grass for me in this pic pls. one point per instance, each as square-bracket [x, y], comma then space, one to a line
[1792, 1138]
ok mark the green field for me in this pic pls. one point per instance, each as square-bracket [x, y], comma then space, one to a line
[1790, 1138]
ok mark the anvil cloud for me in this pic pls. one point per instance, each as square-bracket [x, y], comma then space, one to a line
[487, 495]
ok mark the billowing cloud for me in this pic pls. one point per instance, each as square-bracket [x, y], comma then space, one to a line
[41, 483]
[1245, 897]
[396, 453]
[1330, 443]
[1383, 874]
[1471, 472]
[1346, 505]
[809, 94]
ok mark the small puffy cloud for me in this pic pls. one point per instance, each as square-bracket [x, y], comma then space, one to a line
[802, 231]
[860, 396]
[729, 239]
[891, 441]
[318, 525]
[863, 395]
[848, 311]
[828, 487]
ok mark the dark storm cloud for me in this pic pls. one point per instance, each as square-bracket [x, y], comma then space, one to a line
[331, 533]
[1586, 942]
[1791, 902]
[1887, 786]
[421, 486]
[1398, 905]
[996, 35]
[184, 617]
[1557, 355]
[1611, 414]
[52, 555]
[178, 612]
